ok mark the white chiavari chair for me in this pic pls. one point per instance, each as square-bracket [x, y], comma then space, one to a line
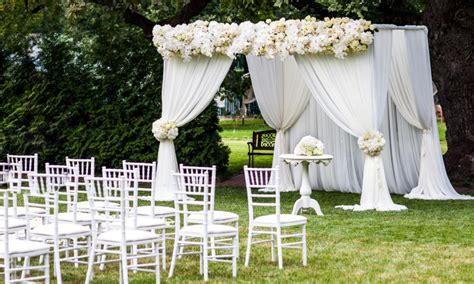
[148, 206]
[271, 224]
[47, 192]
[29, 165]
[13, 251]
[119, 229]
[15, 224]
[193, 196]
[147, 223]
[219, 217]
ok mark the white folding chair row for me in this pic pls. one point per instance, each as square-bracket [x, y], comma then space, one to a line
[193, 196]
[16, 254]
[271, 224]
[119, 229]
[28, 165]
[47, 192]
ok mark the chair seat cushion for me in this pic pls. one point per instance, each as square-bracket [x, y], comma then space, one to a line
[81, 217]
[115, 236]
[23, 247]
[64, 229]
[212, 229]
[21, 211]
[142, 223]
[13, 223]
[159, 210]
[219, 217]
[285, 220]
[99, 204]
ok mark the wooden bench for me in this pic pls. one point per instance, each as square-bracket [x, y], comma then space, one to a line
[262, 143]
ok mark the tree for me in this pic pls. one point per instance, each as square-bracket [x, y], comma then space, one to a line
[450, 24]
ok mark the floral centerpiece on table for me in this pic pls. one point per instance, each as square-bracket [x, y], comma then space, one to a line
[165, 130]
[309, 146]
[371, 143]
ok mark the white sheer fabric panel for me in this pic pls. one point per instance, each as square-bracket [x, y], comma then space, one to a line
[344, 173]
[401, 155]
[188, 88]
[411, 90]
[353, 93]
[282, 96]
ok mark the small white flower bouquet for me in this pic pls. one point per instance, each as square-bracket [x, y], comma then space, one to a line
[309, 146]
[371, 143]
[164, 130]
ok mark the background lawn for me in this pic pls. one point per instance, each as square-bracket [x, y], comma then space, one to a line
[235, 135]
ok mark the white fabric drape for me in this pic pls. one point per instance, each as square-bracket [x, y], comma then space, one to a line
[282, 96]
[188, 88]
[401, 155]
[411, 90]
[353, 93]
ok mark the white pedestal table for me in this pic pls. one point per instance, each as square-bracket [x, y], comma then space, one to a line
[306, 201]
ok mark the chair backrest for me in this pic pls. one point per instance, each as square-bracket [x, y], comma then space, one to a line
[147, 176]
[29, 164]
[44, 194]
[86, 167]
[211, 174]
[108, 202]
[193, 195]
[264, 140]
[71, 183]
[262, 178]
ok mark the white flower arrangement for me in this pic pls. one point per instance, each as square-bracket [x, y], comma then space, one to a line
[309, 146]
[164, 130]
[282, 38]
[371, 143]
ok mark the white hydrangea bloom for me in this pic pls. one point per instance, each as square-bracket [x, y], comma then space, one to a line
[309, 146]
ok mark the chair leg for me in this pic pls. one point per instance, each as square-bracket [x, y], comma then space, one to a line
[156, 250]
[6, 271]
[249, 244]
[235, 255]
[273, 244]
[57, 263]
[46, 269]
[102, 259]
[76, 254]
[305, 256]
[90, 266]
[163, 248]
[173, 258]
[279, 248]
[134, 261]
[206, 259]
[213, 245]
[123, 257]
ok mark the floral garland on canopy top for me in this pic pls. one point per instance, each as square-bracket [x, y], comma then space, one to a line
[282, 38]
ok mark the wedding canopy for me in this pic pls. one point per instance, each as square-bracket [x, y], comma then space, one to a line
[347, 82]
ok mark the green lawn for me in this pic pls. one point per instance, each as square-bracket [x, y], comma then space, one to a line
[431, 242]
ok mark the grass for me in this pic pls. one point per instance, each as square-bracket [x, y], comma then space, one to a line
[430, 242]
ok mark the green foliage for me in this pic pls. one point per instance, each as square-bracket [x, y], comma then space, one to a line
[88, 86]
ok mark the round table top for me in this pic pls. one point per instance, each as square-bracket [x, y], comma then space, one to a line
[293, 157]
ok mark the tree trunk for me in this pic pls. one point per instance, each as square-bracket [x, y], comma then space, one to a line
[451, 25]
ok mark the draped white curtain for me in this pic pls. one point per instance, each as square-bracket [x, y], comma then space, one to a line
[282, 96]
[188, 88]
[353, 93]
[411, 90]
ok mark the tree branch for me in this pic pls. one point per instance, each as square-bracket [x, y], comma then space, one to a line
[190, 10]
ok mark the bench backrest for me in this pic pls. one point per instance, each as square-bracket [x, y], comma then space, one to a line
[264, 140]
